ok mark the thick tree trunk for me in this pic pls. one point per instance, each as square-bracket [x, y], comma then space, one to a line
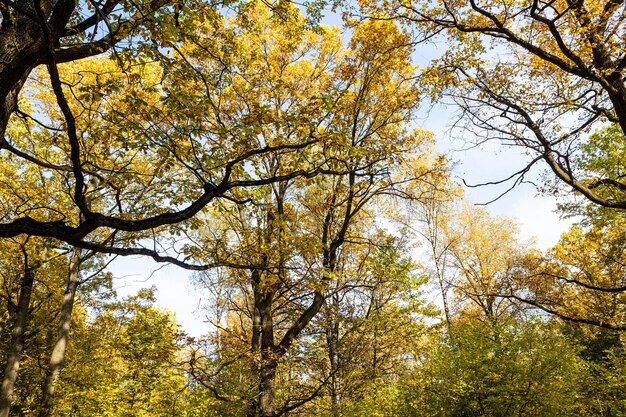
[618, 99]
[58, 351]
[22, 46]
[263, 368]
[16, 346]
[268, 385]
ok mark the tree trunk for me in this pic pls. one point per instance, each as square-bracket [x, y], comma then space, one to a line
[332, 340]
[269, 358]
[261, 403]
[267, 385]
[58, 351]
[16, 347]
[255, 346]
[22, 46]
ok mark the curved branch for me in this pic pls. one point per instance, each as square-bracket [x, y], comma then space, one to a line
[537, 304]
[91, 21]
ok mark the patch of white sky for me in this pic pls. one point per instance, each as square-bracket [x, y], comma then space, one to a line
[535, 213]
[491, 161]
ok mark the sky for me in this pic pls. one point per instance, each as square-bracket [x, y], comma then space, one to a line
[534, 213]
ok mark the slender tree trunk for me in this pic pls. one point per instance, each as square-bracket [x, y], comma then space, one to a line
[255, 345]
[446, 306]
[16, 346]
[58, 351]
[433, 234]
[332, 340]
[65, 321]
[269, 358]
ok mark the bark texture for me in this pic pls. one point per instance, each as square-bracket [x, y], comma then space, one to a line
[16, 347]
[58, 351]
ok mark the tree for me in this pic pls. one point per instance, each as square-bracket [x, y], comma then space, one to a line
[122, 362]
[285, 252]
[515, 367]
[49, 32]
[34, 274]
[581, 279]
[600, 157]
[486, 252]
[369, 330]
[432, 216]
[602, 352]
[534, 74]
[84, 269]
[21, 316]
[57, 354]
[478, 257]
[84, 135]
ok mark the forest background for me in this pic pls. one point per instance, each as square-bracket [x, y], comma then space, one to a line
[291, 166]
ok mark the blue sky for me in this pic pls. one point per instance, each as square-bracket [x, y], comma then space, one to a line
[535, 213]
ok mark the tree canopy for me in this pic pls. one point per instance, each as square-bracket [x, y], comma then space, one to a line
[284, 161]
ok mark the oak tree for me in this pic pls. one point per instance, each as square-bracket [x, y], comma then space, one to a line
[540, 75]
